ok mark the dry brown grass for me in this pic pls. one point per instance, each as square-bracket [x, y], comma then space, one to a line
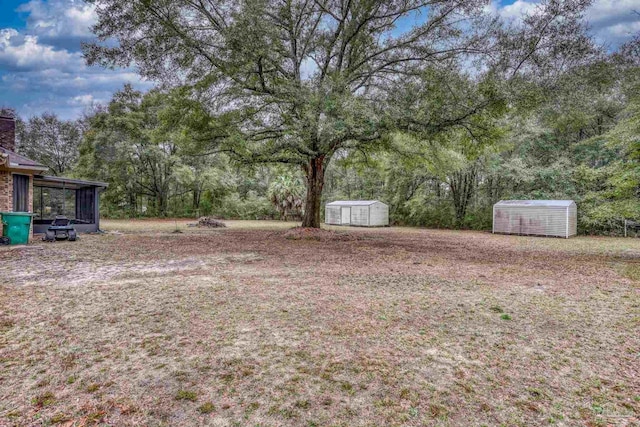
[246, 326]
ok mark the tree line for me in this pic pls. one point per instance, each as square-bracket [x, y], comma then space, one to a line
[268, 109]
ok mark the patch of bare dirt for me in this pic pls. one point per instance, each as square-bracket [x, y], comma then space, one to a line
[320, 235]
[393, 327]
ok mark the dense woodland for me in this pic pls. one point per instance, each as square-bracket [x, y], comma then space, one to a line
[440, 122]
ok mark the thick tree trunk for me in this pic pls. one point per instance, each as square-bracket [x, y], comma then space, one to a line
[161, 200]
[197, 193]
[462, 186]
[133, 206]
[314, 172]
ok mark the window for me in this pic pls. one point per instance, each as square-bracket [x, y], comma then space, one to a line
[20, 193]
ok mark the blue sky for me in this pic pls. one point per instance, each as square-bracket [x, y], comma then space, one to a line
[42, 69]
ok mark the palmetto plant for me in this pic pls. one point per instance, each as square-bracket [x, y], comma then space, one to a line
[287, 194]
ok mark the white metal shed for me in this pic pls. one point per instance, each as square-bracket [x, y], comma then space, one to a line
[557, 218]
[360, 213]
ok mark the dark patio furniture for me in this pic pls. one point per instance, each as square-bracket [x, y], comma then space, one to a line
[60, 229]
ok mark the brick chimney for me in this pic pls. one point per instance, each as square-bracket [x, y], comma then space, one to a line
[8, 133]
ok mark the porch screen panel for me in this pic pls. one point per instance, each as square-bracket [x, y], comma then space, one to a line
[20, 193]
[37, 202]
[70, 204]
[85, 207]
[53, 202]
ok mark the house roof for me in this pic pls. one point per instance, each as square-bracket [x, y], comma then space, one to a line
[62, 182]
[353, 202]
[17, 161]
[544, 203]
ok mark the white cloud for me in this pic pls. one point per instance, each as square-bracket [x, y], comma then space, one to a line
[86, 100]
[608, 9]
[624, 29]
[63, 20]
[612, 22]
[517, 10]
[36, 77]
[18, 52]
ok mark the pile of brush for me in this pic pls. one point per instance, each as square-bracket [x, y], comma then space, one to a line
[207, 221]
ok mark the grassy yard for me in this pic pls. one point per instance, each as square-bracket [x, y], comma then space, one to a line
[254, 326]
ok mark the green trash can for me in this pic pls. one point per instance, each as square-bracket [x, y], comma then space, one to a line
[16, 226]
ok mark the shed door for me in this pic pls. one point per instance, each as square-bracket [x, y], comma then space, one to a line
[346, 216]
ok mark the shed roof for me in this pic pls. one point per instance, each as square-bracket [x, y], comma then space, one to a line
[353, 202]
[544, 203]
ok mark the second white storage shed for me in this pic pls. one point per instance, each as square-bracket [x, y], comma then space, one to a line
[361, 213]
[557, 218]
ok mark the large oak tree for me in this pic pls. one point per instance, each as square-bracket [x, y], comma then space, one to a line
[295, 81]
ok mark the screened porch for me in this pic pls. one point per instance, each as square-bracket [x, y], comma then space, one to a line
[75, 199]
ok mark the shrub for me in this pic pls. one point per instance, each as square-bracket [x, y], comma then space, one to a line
[206, 408]
[186, 395]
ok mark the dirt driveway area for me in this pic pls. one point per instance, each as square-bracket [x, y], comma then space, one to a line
[258, 325]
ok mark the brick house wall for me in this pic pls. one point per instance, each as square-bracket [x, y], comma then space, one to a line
[6, 196]
[6, 193]
[7, 142]
[30, 205]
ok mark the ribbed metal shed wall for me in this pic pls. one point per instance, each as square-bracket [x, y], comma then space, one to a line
[557, 218]
[360, 213]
